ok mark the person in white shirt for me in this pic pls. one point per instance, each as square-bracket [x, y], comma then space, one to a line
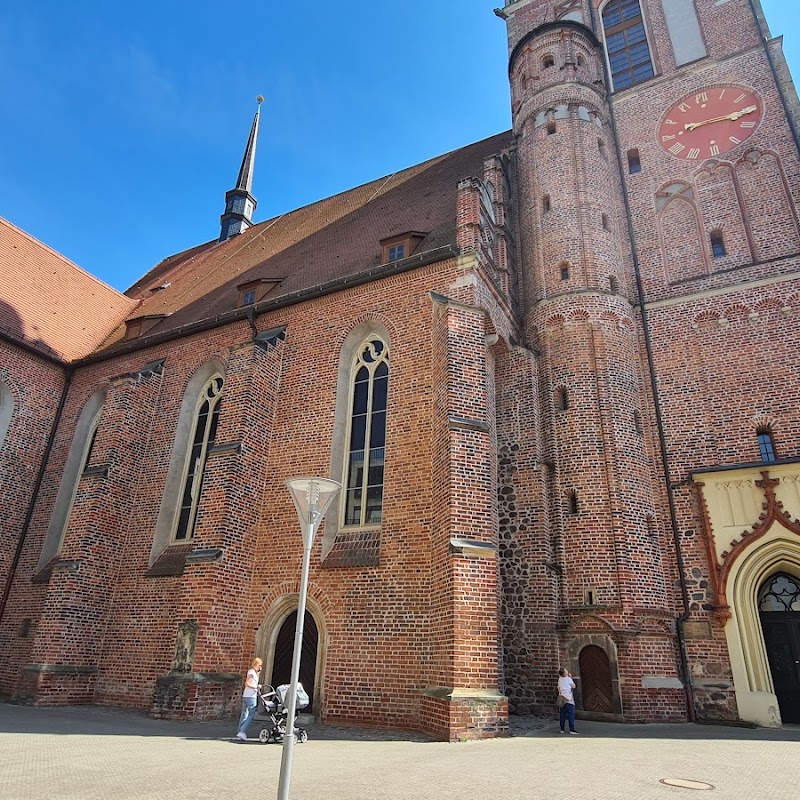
[566, 700]
[249, 698]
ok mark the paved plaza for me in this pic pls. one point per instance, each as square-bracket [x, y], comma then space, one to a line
[93, 753]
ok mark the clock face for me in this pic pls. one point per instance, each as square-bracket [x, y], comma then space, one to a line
[710, 122]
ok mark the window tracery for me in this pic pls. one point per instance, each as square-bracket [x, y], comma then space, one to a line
[364, 468]
[781, 592]
[204, 435]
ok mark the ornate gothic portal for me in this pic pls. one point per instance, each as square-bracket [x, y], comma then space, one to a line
[284, 649]
[752, 520]
[779, 609]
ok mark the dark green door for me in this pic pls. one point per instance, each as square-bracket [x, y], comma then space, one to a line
[779, 607]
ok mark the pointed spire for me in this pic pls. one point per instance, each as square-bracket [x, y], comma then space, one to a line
[239, 203]
[249, 161]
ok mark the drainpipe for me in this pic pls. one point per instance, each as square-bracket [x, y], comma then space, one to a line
[251, 321]
[68, 371]
[662, 442]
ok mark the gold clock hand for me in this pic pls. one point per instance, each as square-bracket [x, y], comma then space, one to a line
[748, 110]
[690, 126]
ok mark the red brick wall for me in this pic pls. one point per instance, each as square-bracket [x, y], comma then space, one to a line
[35, 386]
[386, 630]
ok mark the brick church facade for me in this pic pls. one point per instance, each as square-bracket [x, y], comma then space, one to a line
[555, 372]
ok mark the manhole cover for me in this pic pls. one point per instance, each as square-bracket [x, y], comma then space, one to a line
[684, 784]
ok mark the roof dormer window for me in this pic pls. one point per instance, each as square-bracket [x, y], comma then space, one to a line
[139, 326]
[396, 248]
[255, 291]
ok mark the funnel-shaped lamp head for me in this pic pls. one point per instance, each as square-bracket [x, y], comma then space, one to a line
[312, 498]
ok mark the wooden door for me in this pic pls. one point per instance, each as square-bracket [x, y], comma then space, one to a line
[284, 648]
[596, 680]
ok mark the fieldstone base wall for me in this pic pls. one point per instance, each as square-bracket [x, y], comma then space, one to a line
[450, 716]
[197, 696]
[55, 685]
[715, 702]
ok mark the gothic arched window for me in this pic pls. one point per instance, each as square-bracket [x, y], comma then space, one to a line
[6, 410]
[626, 42]
[363, 504]
[80, 453]
[203, 436]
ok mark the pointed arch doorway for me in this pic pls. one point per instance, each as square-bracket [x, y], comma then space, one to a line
[779, 611]
[284, 650]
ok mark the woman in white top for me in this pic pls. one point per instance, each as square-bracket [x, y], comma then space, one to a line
[566, 700]
[249, 698]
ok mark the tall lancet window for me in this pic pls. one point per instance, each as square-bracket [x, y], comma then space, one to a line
[205, 432]
[367, 436]
[78, 459]
[626, 43]
[6, 410]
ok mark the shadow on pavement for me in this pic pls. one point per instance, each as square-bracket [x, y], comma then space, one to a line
[531, 727]
[107, 721]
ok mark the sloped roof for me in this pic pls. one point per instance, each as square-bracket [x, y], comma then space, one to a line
[335, 238]
[50, 303]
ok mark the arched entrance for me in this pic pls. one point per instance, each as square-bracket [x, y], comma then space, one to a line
[284, 649]
[779, 610]
[595, 672]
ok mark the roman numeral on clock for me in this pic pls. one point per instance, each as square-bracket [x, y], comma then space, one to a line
[740, 98]
[693, 153]
[701, 98]
[686, 107]
[735, 140]
[677, 148]
[714, 150]
[748, 125]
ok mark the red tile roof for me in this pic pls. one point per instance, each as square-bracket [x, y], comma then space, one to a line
[335, 238]
[48, 302]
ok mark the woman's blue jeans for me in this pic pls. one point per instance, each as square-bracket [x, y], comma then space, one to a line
[249, 706]
[567, 712]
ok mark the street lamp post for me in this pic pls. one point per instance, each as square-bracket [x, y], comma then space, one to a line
[312, 498]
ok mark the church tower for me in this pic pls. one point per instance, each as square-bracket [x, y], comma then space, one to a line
[579, 316]
[239, 202]
[656, 153]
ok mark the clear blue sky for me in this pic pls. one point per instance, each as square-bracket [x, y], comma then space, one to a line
[123, 124]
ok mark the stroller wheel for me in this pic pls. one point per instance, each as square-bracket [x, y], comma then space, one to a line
[302, 735]
[263, 735]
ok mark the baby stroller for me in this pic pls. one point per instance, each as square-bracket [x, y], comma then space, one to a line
[273, 702]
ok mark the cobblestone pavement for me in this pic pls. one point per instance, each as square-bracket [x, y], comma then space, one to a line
[94, 753]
